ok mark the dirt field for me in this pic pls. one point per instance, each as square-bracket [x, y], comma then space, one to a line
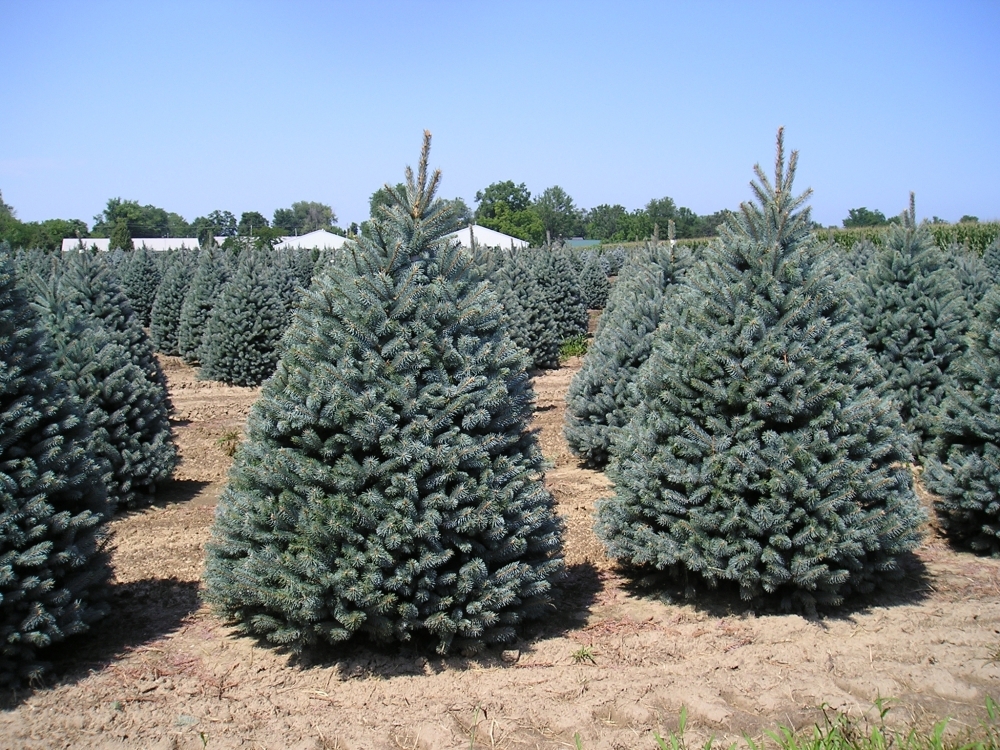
[615, 665]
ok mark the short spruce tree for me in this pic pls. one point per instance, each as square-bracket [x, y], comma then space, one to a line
[602, 394]
[967, 426]
[140, 280]
[54, 503]
[241, 338]
[125, 411]
[165, 316]
[559, 290]
[594, 284]
[535, 330]
[763, 453]
[210, 276]
[389, 483]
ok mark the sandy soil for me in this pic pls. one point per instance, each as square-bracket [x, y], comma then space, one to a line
[615, 664]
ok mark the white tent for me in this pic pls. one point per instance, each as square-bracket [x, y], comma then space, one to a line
[321, 239]
[153, 244]
[487, 238]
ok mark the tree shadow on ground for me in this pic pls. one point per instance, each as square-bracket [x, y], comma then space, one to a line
[572, 598]
[175, 492]
[139, 612]
[724, 600]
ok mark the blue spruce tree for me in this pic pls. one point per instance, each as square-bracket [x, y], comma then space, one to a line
[968, 438]
[909, 304]
[602, 394]
[240, 346]
[52, 499]
[165, 316]
[210, 276]
[389, 483]
[763, 453]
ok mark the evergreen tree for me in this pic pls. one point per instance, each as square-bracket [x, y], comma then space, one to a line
[140, 280]
[241, 338]
[602, 394]
[559, 290]
[165, 316]
[125, 411]
[534, 330]
[968, 437]
[121, 238]
[594, 284]
[53, 501]
[210, 277]
[389, 483]
[974, 277]
[88, 284]
[763, 453]
[991, 258]
[910, 306]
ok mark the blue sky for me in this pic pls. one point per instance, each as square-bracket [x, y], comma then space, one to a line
[240, 106]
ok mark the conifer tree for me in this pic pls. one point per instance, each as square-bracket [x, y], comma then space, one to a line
[991, 259]
[140, 280]
[911, 308]
[125, 411]
[210, 277]
[594, 284]
[54, 504]
[602, 394]
[165, 316]
[967, 425]
[88, 284]
[763, 453]
[534, 330]
[559, 289]
[974, 277]
[241, 338]
[389, 483]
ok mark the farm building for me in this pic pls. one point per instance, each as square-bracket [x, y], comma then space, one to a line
[487, 238]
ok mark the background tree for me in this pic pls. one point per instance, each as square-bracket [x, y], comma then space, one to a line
[53, 499]
[506, 207]
[763, 453]
[410, 500]
[559, 216]
[121, 238]
[165, 315]
[141, 221]
[210, 276]
[862, 217]
[216, 224]
[601, 222]
[140, 278]
[304, 217]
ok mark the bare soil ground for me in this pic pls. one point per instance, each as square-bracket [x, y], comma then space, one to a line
[615, 664]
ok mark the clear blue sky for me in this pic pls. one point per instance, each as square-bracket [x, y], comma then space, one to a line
[250, 106]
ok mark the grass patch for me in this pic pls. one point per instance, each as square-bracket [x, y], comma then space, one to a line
[575, 346]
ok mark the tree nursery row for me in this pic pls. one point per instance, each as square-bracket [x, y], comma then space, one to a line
[761, 404]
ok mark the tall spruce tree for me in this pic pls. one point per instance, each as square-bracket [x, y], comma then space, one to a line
[911, 308]
[240, 346]
[389, 483]
[602, 394]
[54, 504]
[210, 277]
[763, 453]
[968, 438]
